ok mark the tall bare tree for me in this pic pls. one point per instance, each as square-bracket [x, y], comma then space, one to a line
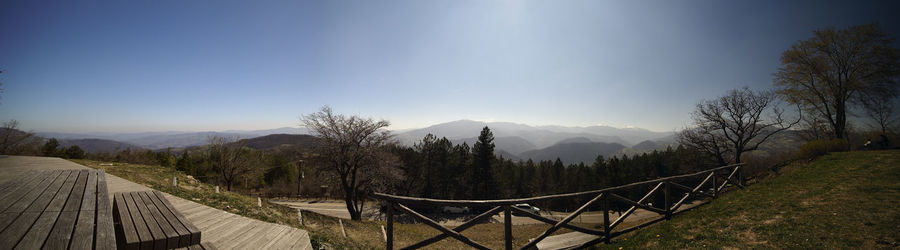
[230, 159]
[829, 72]
[354, 149]
[738, 122]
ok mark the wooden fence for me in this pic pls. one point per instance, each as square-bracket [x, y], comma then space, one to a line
[717, 179]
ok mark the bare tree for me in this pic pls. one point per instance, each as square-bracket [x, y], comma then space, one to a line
[230, 159]
[354, 149]
[706, 138]
[880, 108]
[736, 123]
[13, 140]
[828, 73]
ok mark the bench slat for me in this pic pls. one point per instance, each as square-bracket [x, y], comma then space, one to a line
[159, 238]
[146, 237]
[105, 231]
[171, 236]
[184, 236]
[83, 237]
[126, 234]
[61, 233]
[194, 231]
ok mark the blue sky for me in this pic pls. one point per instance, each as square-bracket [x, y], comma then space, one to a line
[127, 66]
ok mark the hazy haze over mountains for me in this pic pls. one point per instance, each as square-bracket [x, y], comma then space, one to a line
[512, 140]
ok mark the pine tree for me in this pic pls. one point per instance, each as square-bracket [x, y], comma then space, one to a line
[484, 186]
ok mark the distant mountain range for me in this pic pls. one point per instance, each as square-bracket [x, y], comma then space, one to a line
[513, 141]
[171, 139]
[571, 144]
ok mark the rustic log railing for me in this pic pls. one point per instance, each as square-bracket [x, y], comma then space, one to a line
[713, 178]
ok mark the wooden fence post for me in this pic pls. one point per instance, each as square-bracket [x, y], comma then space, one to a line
[715, 185]
[390, 226]
[605, 206]
[743, 180]
[666, 198]
[507, 225]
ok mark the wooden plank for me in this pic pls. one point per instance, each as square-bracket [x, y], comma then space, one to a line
[208, 246]
[276, 238]
[40, 230]
[265, 240]
[637, 204]
[15, 194]
[126, 235]
[184, 235]
[528, 214]
[24, 196]
[251, 229]
[105, 232]
[83, 237]
[230, 233]
[19, 180]
[195, 233]
[143, 232]
[159, 237]
[61, 233]
[633, 208]
[507, 228]
[171, 236]
[18, 228]
[207, 215]
[214, 219]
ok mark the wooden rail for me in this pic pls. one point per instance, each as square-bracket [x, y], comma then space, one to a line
[604, 197]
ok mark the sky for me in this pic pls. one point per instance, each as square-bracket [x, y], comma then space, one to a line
[135, 66]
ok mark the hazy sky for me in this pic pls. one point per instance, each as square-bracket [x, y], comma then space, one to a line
[118, 66]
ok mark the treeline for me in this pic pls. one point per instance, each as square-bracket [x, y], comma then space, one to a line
[435, 168]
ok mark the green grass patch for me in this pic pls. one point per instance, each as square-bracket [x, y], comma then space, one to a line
[842, 200]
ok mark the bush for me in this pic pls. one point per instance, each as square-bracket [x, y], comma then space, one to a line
[815, 148]
[74, 152]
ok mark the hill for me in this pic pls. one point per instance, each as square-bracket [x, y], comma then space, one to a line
[510, 145]
[97, 145]
[841, 201]
[275, 141]
[573, 153]
[514, 138]
[171, 139]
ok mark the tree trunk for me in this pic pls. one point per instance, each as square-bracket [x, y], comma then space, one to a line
[349, 197]
[840, 121]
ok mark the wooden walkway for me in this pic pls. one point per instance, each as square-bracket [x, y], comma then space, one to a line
[223, 229]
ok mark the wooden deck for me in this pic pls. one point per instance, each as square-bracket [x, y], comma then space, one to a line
[223, 229]
[56, 209]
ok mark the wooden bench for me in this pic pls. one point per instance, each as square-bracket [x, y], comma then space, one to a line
[146, 220]
[57, 209]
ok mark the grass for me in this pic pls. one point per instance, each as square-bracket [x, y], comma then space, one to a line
[842, 200]
[323, 230]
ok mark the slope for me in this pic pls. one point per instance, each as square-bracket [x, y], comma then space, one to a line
[841, 201]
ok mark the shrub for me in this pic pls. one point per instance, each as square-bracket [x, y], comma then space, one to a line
[815, 148]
